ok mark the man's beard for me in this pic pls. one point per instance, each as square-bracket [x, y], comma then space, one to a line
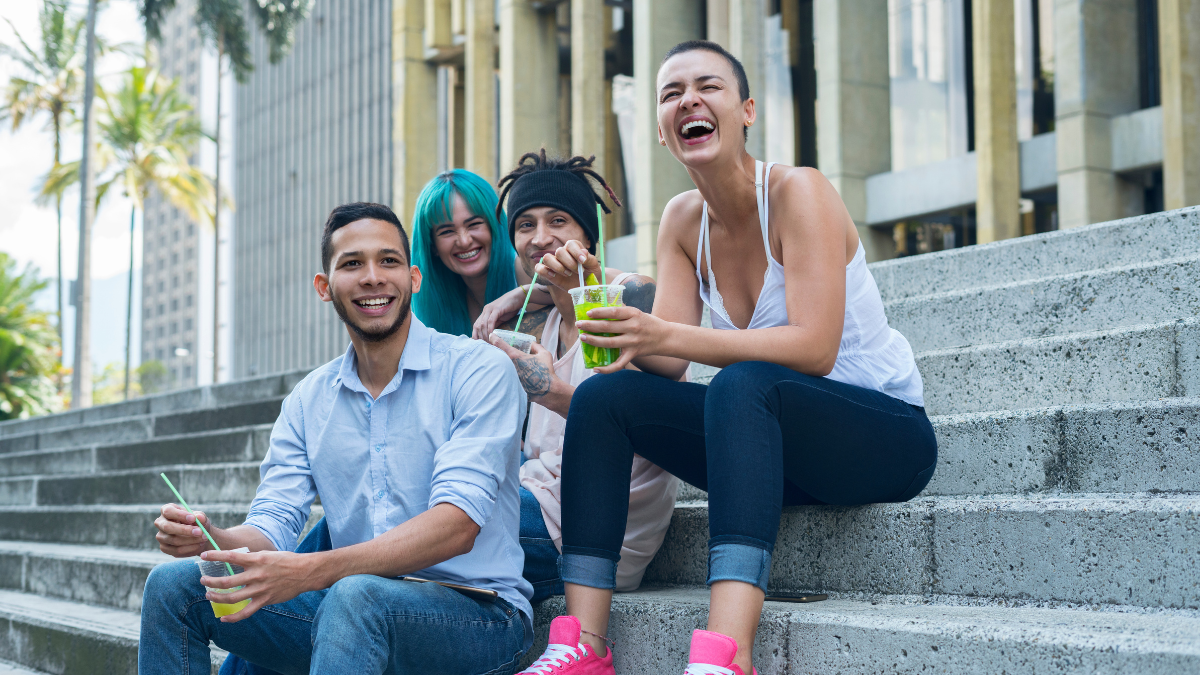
[377, 336]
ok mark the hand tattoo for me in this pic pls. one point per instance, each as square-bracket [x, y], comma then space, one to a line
[639, 292]
[534, 375]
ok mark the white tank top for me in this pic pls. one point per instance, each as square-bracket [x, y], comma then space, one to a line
[871, 354]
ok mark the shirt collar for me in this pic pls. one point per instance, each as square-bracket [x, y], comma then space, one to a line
[414, 357]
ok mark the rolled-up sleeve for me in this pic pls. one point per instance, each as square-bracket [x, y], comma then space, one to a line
[489, 408]
[286, 491]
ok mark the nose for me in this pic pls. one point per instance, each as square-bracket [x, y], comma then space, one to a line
[371, 275]
[541, 236]
[690, 99]
[464, 239]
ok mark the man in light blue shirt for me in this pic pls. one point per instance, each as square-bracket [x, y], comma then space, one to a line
[411, 441]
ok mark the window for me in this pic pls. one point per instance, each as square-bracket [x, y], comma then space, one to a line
[146, 338]
[188, 301]
[187, 325]
[175, 235]
[187, 372]
[190, 253]
[160, 309]
[191, 230]
[145, 356]
[174, 327]
[175, 281]
[161, 264]
[160, 286]
[146, 314]
[175, 304]
[188, 346]
[174, 258]
[149, 289]
[189, 276]
[158, 354]
[158, 332]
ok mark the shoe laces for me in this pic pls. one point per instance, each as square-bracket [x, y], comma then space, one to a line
[706, 669]
[555, 657]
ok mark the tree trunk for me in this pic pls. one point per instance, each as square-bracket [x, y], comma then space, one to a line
[129, 303]
[81, 380]
[58, 239]
[216, 344]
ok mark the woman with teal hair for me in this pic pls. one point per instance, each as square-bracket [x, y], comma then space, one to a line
[466, 259]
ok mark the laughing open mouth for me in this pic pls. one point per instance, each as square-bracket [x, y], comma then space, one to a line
[469, 255]
[374, 303]
[695, 129]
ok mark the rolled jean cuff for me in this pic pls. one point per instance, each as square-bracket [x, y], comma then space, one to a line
[588, 567]
[739, 562]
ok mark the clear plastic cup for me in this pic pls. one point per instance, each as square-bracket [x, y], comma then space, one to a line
[211, 568]
[586, 298]
[519, 341]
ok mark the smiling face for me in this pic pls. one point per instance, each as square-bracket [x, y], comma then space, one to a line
[544, 229]
[370, 281]
[700, 111]
[464, 244]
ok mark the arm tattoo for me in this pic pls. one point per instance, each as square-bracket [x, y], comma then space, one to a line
[639, 293]
[534, 376]
[533, 323]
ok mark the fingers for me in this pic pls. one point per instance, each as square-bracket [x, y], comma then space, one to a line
[552, 266]
[244, 613]
[537, 349]
[225, 583]
[618, 313]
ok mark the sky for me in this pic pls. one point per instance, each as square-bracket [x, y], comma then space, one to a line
[27, 231]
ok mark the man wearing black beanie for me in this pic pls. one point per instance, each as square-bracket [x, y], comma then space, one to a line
[552, 220]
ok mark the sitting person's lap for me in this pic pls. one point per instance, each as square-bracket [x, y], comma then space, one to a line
[365, 610]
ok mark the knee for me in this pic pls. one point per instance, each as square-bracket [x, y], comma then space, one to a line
[601, 390]
[171, 585]
[353, 596]
[742, 382]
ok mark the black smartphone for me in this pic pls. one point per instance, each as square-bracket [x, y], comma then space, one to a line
[798, 597]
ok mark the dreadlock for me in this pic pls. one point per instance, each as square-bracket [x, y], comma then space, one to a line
[531, 162]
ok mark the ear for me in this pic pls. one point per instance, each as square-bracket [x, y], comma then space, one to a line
[661, 139]
[751, 114]
[321, 283]
[414, 273]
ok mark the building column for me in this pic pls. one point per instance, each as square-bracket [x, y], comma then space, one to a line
[854, 138]
[1096, 78]
[414, 108]
[589, 114]
[528, 82]
[1179, 56]
[479, 85]
[658, 25]
[997, 153]
[747, 42]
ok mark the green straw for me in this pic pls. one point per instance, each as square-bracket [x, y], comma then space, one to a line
[517, 328]
[189, 510]
[603, 280]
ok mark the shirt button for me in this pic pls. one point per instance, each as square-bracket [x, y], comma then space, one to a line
[378, 448]
[379, 494]
[368, 404]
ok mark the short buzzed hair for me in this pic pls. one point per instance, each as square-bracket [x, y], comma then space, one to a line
[352, 212]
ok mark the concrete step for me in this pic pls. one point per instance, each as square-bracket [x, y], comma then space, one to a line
[216, 483]
[226, 445]
[122, 526]
[183, 400]
[1123, 364]
[134, 429]
[7, 668]
[1143, 239]
[1136, 550]
[71, 638]
[1145, 293]
[1127, 447]
[93, 575]
[653, 628]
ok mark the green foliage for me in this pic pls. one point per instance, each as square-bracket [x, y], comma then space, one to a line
[147, 132]
[53, 77]
[153, 377]
[28, 345]
[223, 23]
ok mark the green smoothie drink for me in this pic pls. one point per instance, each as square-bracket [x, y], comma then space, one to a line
[587, 298]
[216, 569]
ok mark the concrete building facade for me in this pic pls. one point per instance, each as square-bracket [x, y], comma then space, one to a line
[942, 123]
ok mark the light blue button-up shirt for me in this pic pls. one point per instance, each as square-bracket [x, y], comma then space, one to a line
[446, 429]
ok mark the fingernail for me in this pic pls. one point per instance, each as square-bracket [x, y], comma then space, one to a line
[195, 532]
[583, 258]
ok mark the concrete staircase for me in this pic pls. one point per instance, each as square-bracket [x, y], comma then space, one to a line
[1059, 534]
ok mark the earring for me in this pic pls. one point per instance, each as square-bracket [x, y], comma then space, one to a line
[662, 143]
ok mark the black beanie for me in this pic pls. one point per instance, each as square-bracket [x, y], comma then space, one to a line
[558, 189]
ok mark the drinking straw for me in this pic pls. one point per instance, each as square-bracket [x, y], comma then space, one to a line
[189, 510]
[600, 220]
[517, 328]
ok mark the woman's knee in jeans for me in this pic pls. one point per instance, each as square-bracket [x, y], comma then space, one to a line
[744, 381]
[601, 392]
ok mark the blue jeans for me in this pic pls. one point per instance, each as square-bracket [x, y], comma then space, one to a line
[758, 438]
[541, 555]
[362, 624]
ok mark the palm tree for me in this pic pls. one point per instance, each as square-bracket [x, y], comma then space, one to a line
[146, 133]
[52, 85]
[222, 23]
[27, 344]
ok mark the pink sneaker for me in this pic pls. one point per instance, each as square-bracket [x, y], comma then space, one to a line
[566, 654]
[712, 654]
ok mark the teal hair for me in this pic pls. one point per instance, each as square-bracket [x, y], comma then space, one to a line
[442, 302]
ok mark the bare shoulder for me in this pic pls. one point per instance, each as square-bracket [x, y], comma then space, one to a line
[809, 206]
[682, 213]
[799, 181]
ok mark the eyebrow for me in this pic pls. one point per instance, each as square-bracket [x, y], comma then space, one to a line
[354, 254]
[702, 78]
